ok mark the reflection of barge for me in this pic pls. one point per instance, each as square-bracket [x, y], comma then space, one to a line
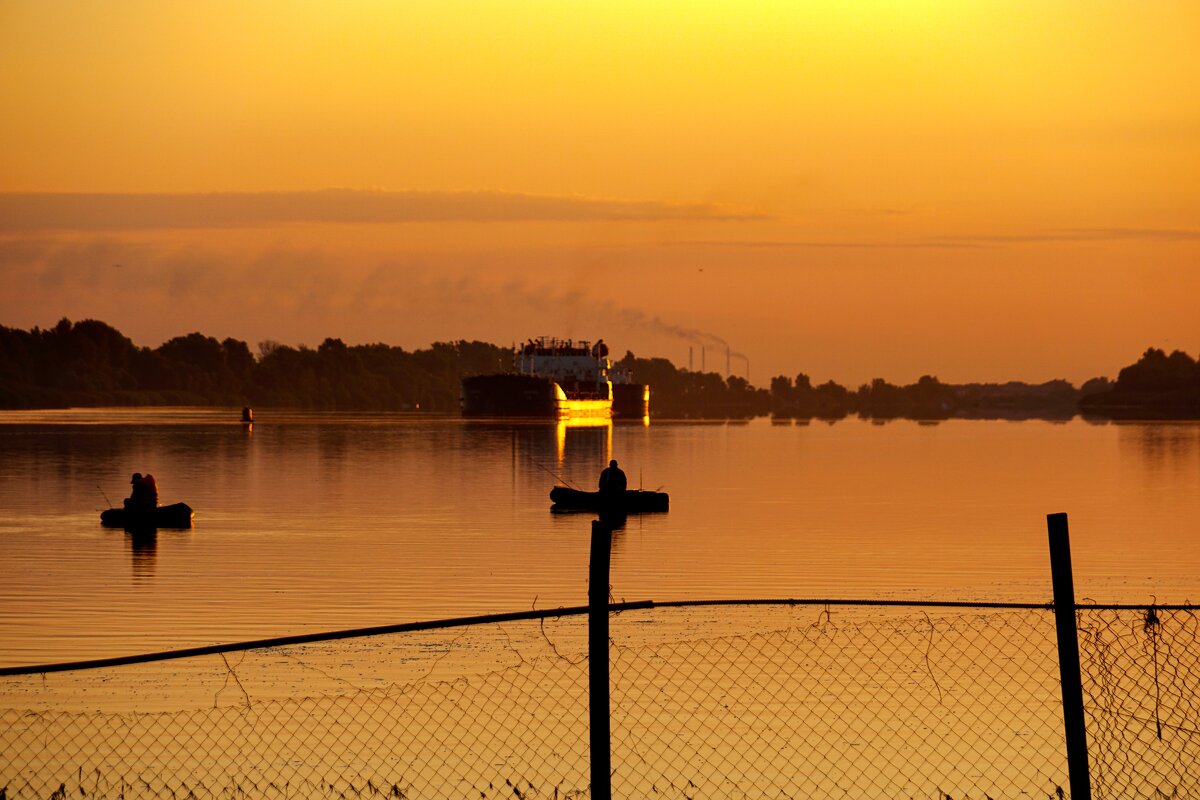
[556, 378]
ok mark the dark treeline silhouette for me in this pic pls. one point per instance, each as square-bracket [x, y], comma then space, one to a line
[928, 398]
[89, 363]
[1158, 385]
[681, 393]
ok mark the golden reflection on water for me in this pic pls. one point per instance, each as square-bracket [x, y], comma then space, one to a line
[143, 549]
[751, 702]
[319, 522]
[577, 426]
[1163, 449]
[322, 522]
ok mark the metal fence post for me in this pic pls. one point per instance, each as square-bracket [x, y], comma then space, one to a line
[1068, 657]
[598, 689]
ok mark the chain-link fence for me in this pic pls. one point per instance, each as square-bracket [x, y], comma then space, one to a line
[1141, 681]
[856, 702]
[486, 711]
[797, 699]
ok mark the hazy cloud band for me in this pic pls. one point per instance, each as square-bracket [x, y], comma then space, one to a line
[31, 211]
[1083, 235]
[982, 240]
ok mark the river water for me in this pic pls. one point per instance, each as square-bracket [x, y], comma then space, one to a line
[312, 522]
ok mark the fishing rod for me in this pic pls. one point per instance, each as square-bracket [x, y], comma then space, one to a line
[110, 505]
[554, 475]
[641, 486]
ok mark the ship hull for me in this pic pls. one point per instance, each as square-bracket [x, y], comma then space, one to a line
[512, 395]
[631, 400]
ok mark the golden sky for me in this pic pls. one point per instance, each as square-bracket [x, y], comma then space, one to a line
[977, 190]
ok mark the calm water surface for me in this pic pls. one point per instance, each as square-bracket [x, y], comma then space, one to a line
[316, 522]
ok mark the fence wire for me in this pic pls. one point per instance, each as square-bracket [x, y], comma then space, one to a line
[489, 711]
[844, 705]
[1141, 687]
[707, 701]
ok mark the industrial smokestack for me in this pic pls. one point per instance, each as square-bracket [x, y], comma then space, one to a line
[689, 358]
[702, 349]
[745, 358]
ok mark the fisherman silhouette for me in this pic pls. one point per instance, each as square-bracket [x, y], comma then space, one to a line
[142, 497]
[151, 490]
[612, 481]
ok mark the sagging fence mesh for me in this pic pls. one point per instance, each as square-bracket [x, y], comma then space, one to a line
[487, 711]
[706, 701]
[845, 706]
[1141, 687]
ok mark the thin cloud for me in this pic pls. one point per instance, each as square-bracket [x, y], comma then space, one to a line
[1083, 235]
[31, 211]
[967, 241]
[279, 292]
[795, 244]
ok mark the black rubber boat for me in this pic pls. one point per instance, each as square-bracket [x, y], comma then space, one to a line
[633, 501]
[178, 515]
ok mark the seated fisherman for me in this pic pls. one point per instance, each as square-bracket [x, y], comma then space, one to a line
[151, 490]
[612, 481]
[141, 497]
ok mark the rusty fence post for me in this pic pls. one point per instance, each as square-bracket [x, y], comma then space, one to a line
[1068, 657]
[598, 686]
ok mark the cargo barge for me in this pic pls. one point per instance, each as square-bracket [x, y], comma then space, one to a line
[553, 379]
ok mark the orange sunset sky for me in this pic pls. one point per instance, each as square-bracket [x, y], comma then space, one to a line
[976, 190]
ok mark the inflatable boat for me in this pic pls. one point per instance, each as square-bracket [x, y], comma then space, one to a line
[632, 501]
[178, 515]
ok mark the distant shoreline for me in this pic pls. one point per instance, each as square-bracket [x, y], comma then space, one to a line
[89, 364]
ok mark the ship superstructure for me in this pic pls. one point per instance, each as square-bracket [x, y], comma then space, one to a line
[553, 378]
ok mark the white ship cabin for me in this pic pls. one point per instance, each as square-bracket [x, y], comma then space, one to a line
[565, 361]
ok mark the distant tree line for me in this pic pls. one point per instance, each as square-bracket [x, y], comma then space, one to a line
[928, 398]
[89, 363]
[1158, 385]
[681, 394]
